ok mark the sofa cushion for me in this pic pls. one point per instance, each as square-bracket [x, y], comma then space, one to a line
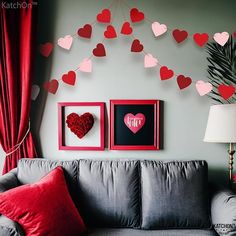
[9, 227]
[109, 193]
[133, 232]
[174, 194]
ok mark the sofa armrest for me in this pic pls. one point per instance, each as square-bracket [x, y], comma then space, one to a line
[223, 213]
[9, 180]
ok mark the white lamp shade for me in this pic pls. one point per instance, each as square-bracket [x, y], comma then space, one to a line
[221, 124]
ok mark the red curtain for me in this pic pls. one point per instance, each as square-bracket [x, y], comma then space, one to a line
[17, 27]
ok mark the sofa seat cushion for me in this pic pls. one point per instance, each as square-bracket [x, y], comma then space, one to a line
[133, 232]
[9, 227]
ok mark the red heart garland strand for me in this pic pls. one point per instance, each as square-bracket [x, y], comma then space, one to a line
[51, 86]
[179, 35]
[136, 46]
[136, 15]
[226, 91]
[126, 28]
[183, 82]
[46, 49]
[104, 16]
[110, 32]
[99, 51]
[201, 39]
[85, 31]
[69, 78]
[166, 73]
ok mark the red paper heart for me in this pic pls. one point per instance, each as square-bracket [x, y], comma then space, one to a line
[226, 91]
[234, 34]
[126, 28]
[136, 15]
[179, 35]
[69, 78]
[80, 125]
[110, 32]
[201, 39]
[166, 73]
[51, 86]
[183, 82]
[104, 16]
[136, 46]
[46, 49]
[99, 51]
[85, 31]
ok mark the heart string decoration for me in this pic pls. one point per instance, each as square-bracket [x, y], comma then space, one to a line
[221, 38]
[51, 86]
[150, 61]
[134, 122]
[183, 82]
[166, 73]
[99, 51]
[85, 31]
[158, 29]
[65, 42]
[136, 15]
[110, 32]
[86, 65]
[104, 16]
[69, 78]
[201, 39]
[80, 125]
[126, 29]
[226, 91]
[46, 49]
[179, 35]
[203, 88]
[136, 46]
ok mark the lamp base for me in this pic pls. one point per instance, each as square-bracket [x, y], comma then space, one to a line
[231, 152]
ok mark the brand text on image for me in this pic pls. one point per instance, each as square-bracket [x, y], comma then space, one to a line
[17, 5]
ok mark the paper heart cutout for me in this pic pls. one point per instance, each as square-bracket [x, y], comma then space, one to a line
[51, 86]
[69, 78]
[136, 46]
[136, 15]
[80, 125]
[179, 35]
[200, 39]
[166, 73]
[104, 16]
[99, 51]
[134, 122]
[85, 31]
[150, 61]
[203, 88]
[126, 28]
[35, 91]
[221, 38]
[86, 65]
[46, 49]
[226, 91]
[110, 32]
[183, 82]
[158, 29]
[234, 34]
[65, 42]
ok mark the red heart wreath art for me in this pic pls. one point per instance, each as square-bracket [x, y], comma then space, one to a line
[80, 125]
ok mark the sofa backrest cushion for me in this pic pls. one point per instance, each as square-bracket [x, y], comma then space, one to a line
[109, 193]
[174, 194]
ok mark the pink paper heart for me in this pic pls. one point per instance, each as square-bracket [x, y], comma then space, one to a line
[134, 122]
[221, 38]
[203, 88]
[35, 91]
[150, 61]
[86, 65]
[65, 42]
[158, 29]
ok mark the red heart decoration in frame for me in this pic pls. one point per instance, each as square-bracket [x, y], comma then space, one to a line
[69, 78]
[179, 35]
[166, 73]
[201, 39]
[226, 91]
[126, 29]
[51, 86]
[104, 16]
[80, 125]
[136, 46]
[110, 32]
[46, 49]
[99, 51]
[136, 15]
[183, 82]
[85, 31]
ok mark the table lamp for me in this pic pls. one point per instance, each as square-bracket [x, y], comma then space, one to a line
[221, 128]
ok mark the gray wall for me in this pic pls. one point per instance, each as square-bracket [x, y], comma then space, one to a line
[121, 74]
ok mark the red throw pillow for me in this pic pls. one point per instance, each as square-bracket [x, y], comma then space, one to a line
[44, 208]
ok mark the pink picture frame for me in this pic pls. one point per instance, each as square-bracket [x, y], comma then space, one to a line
[123, 137]
[94, 139]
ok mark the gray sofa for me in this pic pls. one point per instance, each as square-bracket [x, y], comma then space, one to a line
[132, 197]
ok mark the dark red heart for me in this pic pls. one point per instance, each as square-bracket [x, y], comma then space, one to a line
[136, 15]
[179, 35]
[110, 32]
[46, 49]
[136, 46]
[85, 31]
[166, 73]
[104, 16]
[51, 86]
[183, 82]
[126, 28]
[226, 91]
[201, 39]
[80, 125]
[69, 78]
[234, 34]
[99, 51]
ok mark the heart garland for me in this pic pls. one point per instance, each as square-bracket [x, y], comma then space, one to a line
[51, 86]
[99, 51]
[65, 42]
[46, 49]
[183, 82]
[69, 78]
[85, 31]
[158, 29]
[179, 35]
[226, 91]
[136, 46]
[200, 39]
[104, 16]
[110, 32]
[126, 28]
[136, 15]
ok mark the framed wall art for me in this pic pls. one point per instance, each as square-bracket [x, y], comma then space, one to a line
[81, 125]
[135, 125]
